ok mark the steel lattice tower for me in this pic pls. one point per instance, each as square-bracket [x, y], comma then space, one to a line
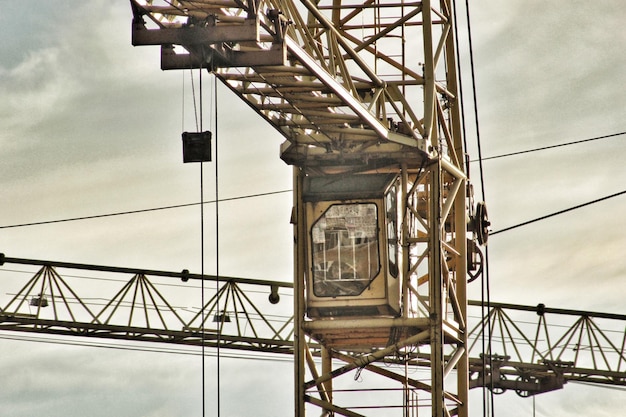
[364, 93]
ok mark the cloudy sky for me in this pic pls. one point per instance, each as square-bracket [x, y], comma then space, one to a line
[90, 125]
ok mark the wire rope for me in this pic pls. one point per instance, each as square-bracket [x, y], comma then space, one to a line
[592, 384]
[462, 107]
[217, 248]
[485, 280]
[121, 213]
[198, 112]
[203, 312]
[276, 357]
[460, 81]
[559, 145]
[556, 213]
[195, 106]
[242, 197]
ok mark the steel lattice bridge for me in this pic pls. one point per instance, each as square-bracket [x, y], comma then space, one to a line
[530, 349]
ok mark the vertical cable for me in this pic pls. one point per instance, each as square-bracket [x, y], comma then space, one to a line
[485, 286]
[490, 336]
[460, 89]
[217, 244]
[461, 101]
[193, 96]
[475, 100]
[198, 121]
[202, 250]
[202, 285]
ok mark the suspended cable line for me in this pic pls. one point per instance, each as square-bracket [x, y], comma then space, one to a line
[169, 350]
[543, 148]
[175, 206]
[121, 213]
[202, 327]
[557, 213]
[615, 388]
[217, 254]
[488, 396]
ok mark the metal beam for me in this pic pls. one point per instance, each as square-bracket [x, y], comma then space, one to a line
[355, 105]
[248, 31]
[563, 358]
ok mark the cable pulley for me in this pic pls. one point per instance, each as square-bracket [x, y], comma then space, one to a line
[479, 224]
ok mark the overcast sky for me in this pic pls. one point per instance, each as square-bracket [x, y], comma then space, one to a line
[90, 125]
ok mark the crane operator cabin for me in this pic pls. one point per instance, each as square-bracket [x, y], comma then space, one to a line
[352, 245]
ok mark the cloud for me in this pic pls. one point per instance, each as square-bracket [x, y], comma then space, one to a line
[90, 125]
[77, 381]
[539, 65]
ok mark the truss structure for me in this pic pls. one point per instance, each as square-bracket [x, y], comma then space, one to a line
[355, 88]
[368, 84]
[535, 349]
[431, 328]
[538, 349]
[127, 304]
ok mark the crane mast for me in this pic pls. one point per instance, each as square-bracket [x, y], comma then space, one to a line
[366, 97]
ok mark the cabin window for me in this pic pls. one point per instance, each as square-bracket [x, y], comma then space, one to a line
[391, 221]
[345, 250]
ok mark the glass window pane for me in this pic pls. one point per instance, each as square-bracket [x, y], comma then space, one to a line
[391, 210]
[345, 250]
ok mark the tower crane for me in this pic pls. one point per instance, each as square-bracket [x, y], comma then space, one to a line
[367, 99]
[386, 229]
